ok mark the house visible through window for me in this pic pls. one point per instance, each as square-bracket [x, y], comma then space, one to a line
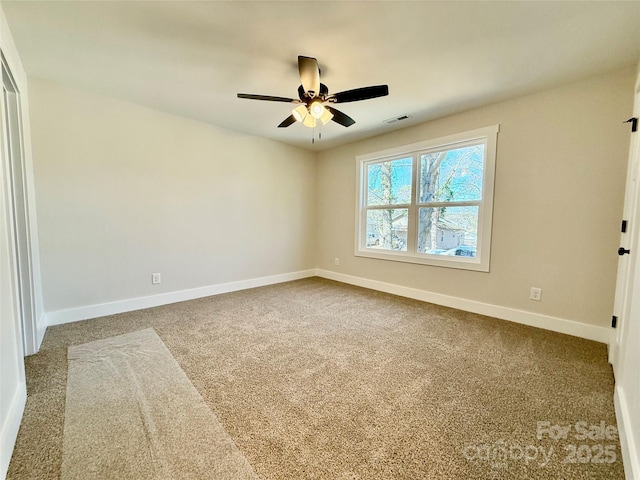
[430, 202]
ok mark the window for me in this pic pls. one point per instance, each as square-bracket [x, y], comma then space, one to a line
[429, 202]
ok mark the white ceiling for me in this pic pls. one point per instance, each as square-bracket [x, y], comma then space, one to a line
[438, 58]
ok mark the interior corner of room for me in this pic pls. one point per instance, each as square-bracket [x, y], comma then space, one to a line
[110, 206]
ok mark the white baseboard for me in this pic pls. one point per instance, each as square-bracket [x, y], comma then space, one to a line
[10, 427]
[628, 445]
[570, 327]
[560, 325]
[93, 311]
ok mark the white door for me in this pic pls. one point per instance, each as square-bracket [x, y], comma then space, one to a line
[628, 242]
[624, 353]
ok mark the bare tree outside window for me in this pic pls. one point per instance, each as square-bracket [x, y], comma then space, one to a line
[450, 178]
[389, 184]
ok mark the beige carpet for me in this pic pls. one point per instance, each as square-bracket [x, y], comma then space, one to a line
[318, 380]
[131, 412]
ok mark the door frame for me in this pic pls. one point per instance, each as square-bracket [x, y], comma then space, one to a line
[18, 203]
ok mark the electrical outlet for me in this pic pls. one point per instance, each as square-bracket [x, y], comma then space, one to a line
[156, 278]
[536, 294]
[336, 261]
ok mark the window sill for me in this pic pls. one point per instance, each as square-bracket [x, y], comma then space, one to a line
[463, 263]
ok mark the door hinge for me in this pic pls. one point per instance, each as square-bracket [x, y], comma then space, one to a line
[634, 123]
[623, 228]
[614, 321]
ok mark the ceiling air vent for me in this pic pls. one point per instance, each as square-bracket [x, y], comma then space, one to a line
[397, 119]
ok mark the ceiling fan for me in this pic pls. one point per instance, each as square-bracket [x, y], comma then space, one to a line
[314, 99]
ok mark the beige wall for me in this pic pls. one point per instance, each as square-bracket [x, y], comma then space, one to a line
[560, 174]
[124, 191]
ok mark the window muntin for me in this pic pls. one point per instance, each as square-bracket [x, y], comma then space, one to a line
[441, 192]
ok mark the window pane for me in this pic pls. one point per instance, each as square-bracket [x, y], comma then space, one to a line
[452, 175]
[387, 229]
[389, 183]
[448, 231]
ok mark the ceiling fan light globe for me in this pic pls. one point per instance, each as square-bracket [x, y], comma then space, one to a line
[317, 109]
[300, 113]
[309, 121]
[326, 117]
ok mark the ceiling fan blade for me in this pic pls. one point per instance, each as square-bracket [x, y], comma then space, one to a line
[309, 74]
[287, 121]
[341, 118]
[364, 93]
[268, 98]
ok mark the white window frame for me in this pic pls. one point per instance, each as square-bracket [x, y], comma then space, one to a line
[486, 135]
